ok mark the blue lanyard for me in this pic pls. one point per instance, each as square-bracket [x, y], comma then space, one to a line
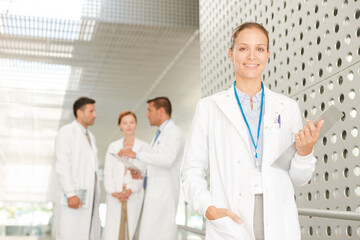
[247, 124]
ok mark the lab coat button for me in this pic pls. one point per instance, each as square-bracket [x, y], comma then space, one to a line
[239, 194]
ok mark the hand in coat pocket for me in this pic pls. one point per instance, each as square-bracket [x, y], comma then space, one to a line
[214, 213]
[227, 228]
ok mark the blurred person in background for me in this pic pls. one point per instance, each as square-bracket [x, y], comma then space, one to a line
[158, 218]
[124, 195]
[77, 210]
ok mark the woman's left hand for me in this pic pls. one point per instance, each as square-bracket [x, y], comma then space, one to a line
[124, 196]
[307, 137]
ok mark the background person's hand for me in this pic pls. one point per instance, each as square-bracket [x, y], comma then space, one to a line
[124, 196]
[120, 196]
[307, 137]
[116, 194]
[127, 153]
[213, 213]
[135, 174]
[74, 202]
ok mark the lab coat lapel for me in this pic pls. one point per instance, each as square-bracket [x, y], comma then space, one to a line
[272, 109]
[274, 106]
[83, 139]
[228, 105]
[136, 145]
[92, 146]
[85, 144]
[121, 145]
[161, 136]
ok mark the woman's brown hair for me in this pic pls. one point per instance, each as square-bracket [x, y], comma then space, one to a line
[125, 113]
[246, 26]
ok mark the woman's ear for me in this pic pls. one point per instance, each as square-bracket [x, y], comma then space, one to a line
[231, 55]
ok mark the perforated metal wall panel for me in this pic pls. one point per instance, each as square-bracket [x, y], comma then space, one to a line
[315, 59]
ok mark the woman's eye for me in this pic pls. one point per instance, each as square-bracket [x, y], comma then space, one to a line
[261, 49]
[242, 49]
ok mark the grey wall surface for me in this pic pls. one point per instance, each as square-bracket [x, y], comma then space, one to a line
[315, 59]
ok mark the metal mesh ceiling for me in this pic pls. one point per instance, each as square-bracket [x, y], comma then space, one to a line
[118, 52]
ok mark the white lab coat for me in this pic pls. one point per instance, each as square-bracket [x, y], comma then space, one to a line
[163, 185]
[76, 165]
[219, 146]
[114, 179]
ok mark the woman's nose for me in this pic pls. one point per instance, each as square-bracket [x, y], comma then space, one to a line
[251, 54]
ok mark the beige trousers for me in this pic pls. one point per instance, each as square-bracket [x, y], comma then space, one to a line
[259, 217]
[124, 224]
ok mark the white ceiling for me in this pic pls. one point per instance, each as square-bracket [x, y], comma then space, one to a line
[120, 53]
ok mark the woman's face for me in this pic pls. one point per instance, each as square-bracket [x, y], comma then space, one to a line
[128, 124]
[249, 54]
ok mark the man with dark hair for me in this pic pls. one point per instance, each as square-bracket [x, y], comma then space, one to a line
[81, 103]
[163, 173]
[163, 102]
[77, 216]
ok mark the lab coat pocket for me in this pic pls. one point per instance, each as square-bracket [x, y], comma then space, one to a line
[282, 138]
[220, 224]
[228, 229]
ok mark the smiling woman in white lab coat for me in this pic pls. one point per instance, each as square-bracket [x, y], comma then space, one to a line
[236, 135]
[121, 189]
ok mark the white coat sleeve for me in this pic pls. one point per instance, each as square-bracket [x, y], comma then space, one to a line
[145, 147]
[135, 185]
[302, 167]
[196, 162]
[63, 150]
[109, 165]
[168, 151]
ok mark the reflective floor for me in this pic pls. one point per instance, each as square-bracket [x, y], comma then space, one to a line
[183, 235]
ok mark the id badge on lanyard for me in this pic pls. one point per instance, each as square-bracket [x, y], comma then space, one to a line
[258, 182]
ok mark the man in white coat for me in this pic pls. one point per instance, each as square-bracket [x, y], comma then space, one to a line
[163, 173]
[235, 137]
[77, 207]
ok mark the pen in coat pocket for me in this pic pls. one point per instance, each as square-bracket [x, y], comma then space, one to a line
[279, 121]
